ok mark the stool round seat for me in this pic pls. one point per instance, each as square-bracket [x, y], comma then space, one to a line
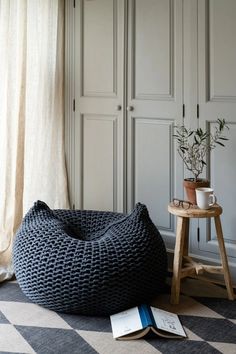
[89, 262]
[195, 212]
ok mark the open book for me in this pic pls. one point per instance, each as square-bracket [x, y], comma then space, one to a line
[138, 321]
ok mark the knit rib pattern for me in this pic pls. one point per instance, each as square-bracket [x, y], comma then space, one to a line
[89, 262]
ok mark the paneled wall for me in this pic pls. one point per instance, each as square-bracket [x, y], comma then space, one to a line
[134, 70]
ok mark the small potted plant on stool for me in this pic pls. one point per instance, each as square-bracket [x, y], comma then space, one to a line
[193, 147]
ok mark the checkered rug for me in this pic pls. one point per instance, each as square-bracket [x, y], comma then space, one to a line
[210, 324]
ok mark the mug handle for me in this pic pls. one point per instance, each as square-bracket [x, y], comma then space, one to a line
[214, 199]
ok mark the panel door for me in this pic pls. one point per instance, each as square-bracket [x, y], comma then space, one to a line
[217, 99]
[154, 107]
[99, 34]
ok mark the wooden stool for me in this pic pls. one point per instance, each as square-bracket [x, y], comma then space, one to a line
[181, 249]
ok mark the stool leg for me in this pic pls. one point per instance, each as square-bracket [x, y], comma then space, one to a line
[224, 260]
[178, 256]
[186, 238]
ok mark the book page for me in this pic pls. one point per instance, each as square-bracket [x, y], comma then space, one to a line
[126, 322]
[167, 321]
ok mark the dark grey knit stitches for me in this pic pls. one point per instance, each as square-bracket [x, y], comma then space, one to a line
[89, 262]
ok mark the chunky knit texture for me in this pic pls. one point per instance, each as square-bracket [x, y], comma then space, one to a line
[89, 262]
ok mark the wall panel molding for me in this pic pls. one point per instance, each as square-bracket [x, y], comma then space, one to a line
[97, 53]
[220, 61]
[152, 176]
[100, 161]
[165, 93]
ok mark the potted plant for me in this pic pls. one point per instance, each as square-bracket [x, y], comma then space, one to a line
[193, 147]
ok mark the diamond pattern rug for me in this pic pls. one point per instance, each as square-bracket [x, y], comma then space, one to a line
[210, 323]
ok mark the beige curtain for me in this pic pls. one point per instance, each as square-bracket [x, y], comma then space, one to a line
[32, 162]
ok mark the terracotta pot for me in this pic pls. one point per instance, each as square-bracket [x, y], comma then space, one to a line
[190, 185]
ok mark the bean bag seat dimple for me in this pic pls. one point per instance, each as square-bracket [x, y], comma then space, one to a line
[89, 262]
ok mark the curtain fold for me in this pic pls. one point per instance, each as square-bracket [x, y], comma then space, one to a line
[32, 159]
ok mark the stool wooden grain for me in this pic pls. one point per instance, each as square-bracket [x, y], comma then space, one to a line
[183, 265]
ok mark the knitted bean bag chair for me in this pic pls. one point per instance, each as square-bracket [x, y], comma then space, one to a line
[89, 262]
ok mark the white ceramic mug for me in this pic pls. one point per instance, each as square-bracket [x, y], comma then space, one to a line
[205, 198]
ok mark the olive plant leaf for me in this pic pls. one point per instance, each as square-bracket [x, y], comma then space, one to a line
[194, 145]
